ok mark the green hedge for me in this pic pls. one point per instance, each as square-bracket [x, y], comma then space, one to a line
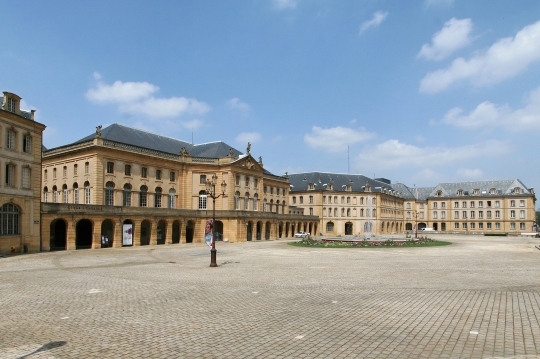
[496, 234]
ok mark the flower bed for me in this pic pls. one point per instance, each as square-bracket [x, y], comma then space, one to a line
[343, 243]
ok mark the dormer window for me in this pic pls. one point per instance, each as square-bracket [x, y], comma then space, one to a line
[330, 186]
[476, 191]
[492, 191]
[460, 192]
[517, 190]
[438, 193]
[348, 188]
[311, 186]
[11, 105]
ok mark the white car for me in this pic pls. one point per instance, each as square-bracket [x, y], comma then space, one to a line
[301, 235]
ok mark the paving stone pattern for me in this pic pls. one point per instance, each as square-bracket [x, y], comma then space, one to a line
[478, 298]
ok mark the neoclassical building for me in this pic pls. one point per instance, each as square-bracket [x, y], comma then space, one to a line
[348, 204]
[124, 186]
[20, 164]
[499, 206]
[356, 205]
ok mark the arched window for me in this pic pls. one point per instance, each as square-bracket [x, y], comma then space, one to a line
[143, 196]
[246, 201]
[75, 193]
[368, 213]
[127, 195]
[172, 198]
[264, 205]
[109, 193]
[335, 212]
[343, 212]
[157, 197]
[237, 200]
[202, 200]
[45, 194]
[65, 193]
[55, 194]
[255, 202]
[271, 205]
[283, 207]
[87, 192]
[361, 212]
[277, 206]
[374, 213]
[330, 226]
[9, 220]
[348, 212]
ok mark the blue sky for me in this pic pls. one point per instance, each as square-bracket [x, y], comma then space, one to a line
[418, 92]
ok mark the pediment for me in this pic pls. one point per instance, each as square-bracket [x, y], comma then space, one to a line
[248, 163]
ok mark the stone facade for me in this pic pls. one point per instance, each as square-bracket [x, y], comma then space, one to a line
[93, 187]
[20, 162]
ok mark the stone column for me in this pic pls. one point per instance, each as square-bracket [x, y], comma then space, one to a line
[96, 233]
[117, 234]
[153, 233]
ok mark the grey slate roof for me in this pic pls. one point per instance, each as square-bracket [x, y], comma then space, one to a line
[135, 137]
[501, 187]
[300, 181]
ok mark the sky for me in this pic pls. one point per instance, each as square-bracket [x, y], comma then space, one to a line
[418, 92]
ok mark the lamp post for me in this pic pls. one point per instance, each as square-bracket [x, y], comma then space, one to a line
[211, 191]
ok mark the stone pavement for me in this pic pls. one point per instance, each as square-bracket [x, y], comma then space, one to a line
[478, 298]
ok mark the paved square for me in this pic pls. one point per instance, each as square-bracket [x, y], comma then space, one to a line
[478, 298]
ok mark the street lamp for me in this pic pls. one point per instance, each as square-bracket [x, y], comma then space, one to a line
[211, 191]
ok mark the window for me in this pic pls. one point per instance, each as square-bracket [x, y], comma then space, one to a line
[45, 175]
[26, 177]
[127, 170]
[335, 199]
[348, 200]
[144, 172]
[310, 199]
[256, 183]
[294, 200]
[522, 203]
[87, 199]
[10, 175]
[157, 198]
[11, 104]
[158, 174]
[522, 226]
[464, 204]
[172, 198]
[86, 167]
[246, 201]
[237, 200]
[472, 214]
[480, 203]
[512, 226]
[343, 212]
[45, 195]
[420, 215]
[9, 220]
[464, 225]
[329, 227]
[497, 225]
[246, 181]
[480, 225]
[443, 205]
[512, 214]
[75, 169]
[497, 214]
[202, 179]
[109, 194]
[127, 195]
[301, 199]
[443, 215]
[512, 203]
[54, 173]
[255, 202]
[110, 167]
[264, 205]
[362, 202]
[408, 214]
[10, 142]
[27, 144]
[348, 212]
[335, 212]
[456, 225]
[311, 211]
[342, 200]
[456, 204]
[488, 214]
[374, 202]
[143, 197]
[435, 215]
[456, 214]
[64, 172]
[497, 204]
[489, 203]
[472, 204]
[202, 200]
[324, 199]
[489, 226]
[65, 194]
[434, 204]
[172, 176]
[75, 193]
[522, 214]
[472, 226]
[237, 180]
[480, 214]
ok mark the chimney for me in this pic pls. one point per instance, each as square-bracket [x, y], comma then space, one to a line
[32, 114]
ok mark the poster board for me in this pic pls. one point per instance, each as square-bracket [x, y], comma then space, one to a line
[127, 235]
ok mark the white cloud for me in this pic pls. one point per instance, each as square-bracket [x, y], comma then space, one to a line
[378, 17]
[194, 124]
[454, 35]
[488, 116]
[165, 107]
[237, 105]
[138, 98]
[439, 2]
[97, 75]
[504, 59]
[246, 137]
[120, 92]
[394, 154]
[335, 139]
[470, 173]
[285, 4]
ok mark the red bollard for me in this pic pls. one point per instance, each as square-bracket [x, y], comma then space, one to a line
[12, 250]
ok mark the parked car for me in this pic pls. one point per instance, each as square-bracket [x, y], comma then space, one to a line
[301, 235]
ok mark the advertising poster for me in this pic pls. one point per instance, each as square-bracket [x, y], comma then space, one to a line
[208, 232]
[127, 235]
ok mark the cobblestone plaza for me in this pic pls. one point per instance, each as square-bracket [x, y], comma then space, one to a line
[477, 298]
